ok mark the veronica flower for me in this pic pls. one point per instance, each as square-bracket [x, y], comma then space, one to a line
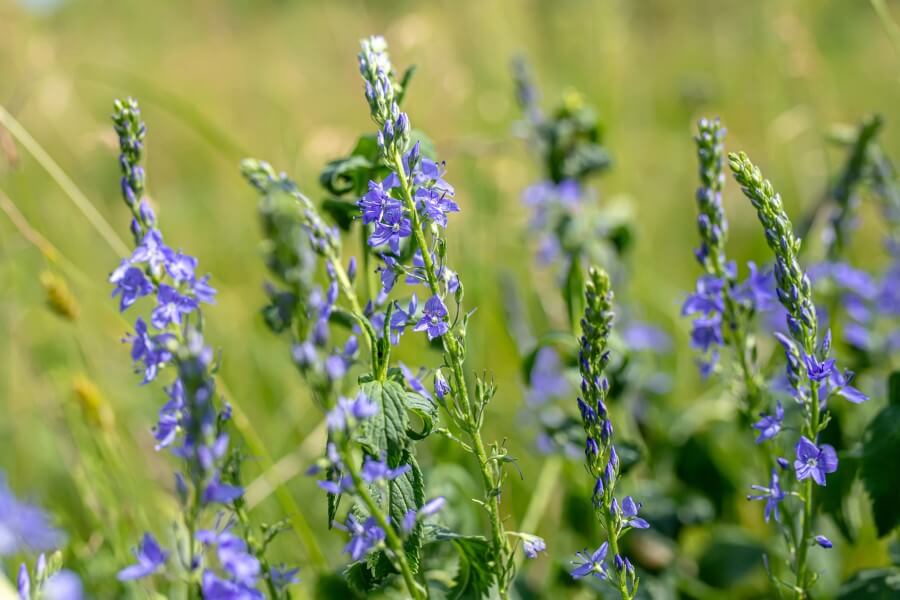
[435, 203]
[814, 461]
[532, 545]
[348, 412]
[150, 560]
[24, 526]
[131, 284]
[415, 381]
[769, 425]
[772, 495]
[547, 380]
[363, 536]
[171, 306]
[375, 471]
[823, 541]
[629, 513]
[390, 229]
[282, 577]
[434, 318]
[591, 564]
[401, 318]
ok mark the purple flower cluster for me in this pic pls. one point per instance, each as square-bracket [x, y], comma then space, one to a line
[193, 422]
[600, 455]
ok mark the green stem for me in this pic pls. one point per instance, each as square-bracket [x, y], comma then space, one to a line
[614, 547]
[393, 541]
[543, 490]
[812, 430]
[455, 353]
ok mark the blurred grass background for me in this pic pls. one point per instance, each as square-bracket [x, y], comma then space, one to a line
[222, 80]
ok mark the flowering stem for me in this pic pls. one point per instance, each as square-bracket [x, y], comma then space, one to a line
[456, 355]
[807, 515]
[393, 541]
[614, 547]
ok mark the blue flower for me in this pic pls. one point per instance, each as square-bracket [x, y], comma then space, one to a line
[758, 290]
[441, 387]
[171, 306]
[532, 545]
[23, 526]
[390, 229]
[414, 381]
[401, 318]
[706, 332]
[434, 318]
[642, 337]
[769, 425]
[348, 412]
[62, 585]
[547, 379]
[772, 495]
[374, 471]
[216, 588]
[823, 541]
[363, 536]
[23, 583]
[378, 199]
[131, 284]
[818, 371]
[282, 577]
[221, 493]
[592, 564]
[629, 512]
[435, 203]
[152, 251]
[814, 461]
[150, 559]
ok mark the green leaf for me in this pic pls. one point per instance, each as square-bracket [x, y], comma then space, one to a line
[894, 388]
[881, 445]
[832, 498]
[407, 492]
[574, 294]
[385, 432]
[474, 575]
[729, 558]
[342, 212]
[872, 584]
[426, 410]
[344, 175]
[404, 83]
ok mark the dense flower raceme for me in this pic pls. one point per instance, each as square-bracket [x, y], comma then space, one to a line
[600, 454]
[813, 376]
[721, 306]
[193, 421]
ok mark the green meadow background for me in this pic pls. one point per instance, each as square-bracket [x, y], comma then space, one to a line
[221, 80]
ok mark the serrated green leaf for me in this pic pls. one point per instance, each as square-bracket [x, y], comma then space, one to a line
[881, 445]
[426, 410]
[474, 575]
[385, 432]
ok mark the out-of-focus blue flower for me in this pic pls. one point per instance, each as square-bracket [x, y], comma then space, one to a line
[350, 411]
[641, 337]
[283, 577]
[62, 585]
[363, 536]
[374, 471]
[547, 380]
[532, 545]
[150, 559]
[24, 527]
[823, 541]
[769, 425]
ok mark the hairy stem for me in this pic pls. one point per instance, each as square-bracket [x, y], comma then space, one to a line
[393, 541]
[454, 352]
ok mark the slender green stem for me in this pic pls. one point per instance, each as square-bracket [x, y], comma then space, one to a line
[393, 541]
[455, 352]
[811, 430]
[622, 583]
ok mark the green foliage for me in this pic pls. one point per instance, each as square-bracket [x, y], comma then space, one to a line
[881, 444]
